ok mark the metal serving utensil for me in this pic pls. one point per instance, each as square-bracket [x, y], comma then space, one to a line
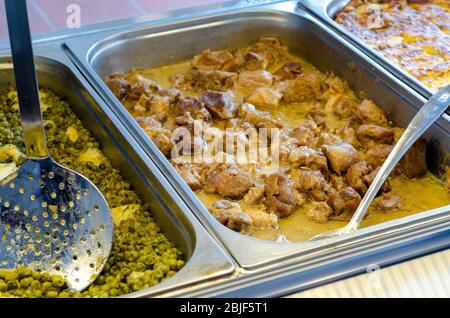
[428, 114]
[52, 219]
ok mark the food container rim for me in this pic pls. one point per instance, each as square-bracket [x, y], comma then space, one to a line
[81, 55]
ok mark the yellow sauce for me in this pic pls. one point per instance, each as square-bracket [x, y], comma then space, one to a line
[419, 195]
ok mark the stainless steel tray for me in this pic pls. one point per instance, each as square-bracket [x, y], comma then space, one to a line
[169, 212]
[100, 55]
[326, 10]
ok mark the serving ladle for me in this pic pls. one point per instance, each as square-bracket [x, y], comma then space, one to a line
[428, 114]
[52, 219]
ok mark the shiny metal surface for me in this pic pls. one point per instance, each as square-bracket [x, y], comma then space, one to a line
[77, 226]
[325, 10]
[199, 11]
[427, 115]
[26, 83]
[100, 55]
[55, 72]
[54, 220]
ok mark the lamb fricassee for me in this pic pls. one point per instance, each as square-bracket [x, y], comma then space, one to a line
[330, 143]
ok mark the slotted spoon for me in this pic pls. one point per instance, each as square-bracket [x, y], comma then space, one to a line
[428, 114]
[52, 219]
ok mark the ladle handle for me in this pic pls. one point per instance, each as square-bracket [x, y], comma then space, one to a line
[428, 114]
[26, 82]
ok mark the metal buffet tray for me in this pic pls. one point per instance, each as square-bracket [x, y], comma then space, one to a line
[259, 268]
[326, 10]
[169, 212]
[100, 55]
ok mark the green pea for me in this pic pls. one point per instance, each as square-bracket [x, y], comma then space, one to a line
[138, 245]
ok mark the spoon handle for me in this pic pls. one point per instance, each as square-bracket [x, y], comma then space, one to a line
[428, 114]
[25, 75]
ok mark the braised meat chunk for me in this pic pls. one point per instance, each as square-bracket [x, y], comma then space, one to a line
[288, 71]
[305, 135]
[270, 49]
[414, 162]
[370, 113]
[220, 104]
[376, 155]
[310, 158]
[388, 202]
[375, 133]
[280, 198]
[260, 119]
[254, 79]
[262, 220]
[229, 214]
[119, 86]
[151, 105]
[200, 79]
[229, 182]
[355, 176]
[159, 135]
[344, 203]
[312, 183]
[305, 87]
[194, 106]
[319, 212]
[212, 60]
[341, 156]
[264, 97]
[368, 179]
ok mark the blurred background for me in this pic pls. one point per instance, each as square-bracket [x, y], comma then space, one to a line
[51, 15]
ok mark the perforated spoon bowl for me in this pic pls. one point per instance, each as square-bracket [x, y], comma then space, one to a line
[428, 114]
[52, 219]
